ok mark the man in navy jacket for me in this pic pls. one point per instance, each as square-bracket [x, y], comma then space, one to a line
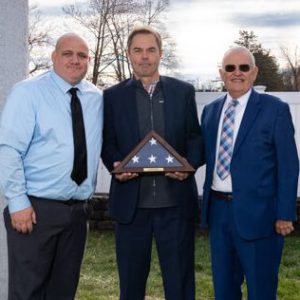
[250, 203]
[161, 206]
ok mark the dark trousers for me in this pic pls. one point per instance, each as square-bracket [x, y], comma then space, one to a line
[234, 258]
[45, 264]
[174, 237]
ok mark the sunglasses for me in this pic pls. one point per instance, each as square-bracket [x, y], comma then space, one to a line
[242, 68]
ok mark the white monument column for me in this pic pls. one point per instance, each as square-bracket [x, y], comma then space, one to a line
[13, 68]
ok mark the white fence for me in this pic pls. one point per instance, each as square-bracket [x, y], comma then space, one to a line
[202, 98]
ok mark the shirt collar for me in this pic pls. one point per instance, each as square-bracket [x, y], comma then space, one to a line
[243, 100]
[62, 84]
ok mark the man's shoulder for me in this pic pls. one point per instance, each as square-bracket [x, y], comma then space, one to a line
[176, 82]
[119, 87]
[268, 102]
[27, 93]
[269, 99]
[90, 87]
[28, 87]
[216, 101]
[32, 81]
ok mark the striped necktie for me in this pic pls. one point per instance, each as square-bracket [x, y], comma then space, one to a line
[226, 141]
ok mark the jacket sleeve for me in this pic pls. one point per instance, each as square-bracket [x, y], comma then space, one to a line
[110, 152]
[288, 165]
[194, 141]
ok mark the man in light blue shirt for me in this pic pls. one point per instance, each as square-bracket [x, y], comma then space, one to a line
[45, 218]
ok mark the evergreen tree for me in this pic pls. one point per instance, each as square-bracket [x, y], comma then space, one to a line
[268, 74]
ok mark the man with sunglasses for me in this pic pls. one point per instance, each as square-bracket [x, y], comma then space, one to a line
[250, 189]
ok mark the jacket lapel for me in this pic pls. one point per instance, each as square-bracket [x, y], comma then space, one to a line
[215, 119]
[169, 97]
[251, 111]
[130, 109]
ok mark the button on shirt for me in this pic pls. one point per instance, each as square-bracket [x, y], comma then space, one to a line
[36, 140]
[226, 184]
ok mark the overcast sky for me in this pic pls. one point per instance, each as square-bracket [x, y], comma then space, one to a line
[205, 29]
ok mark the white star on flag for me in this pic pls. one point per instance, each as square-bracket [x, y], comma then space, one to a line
[152, 159]
[153, 142]
[169, 159]
[135, 159]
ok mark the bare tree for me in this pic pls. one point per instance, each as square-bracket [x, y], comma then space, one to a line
[109, 23]
[38, 40]
[119, 24]
[94, 20]
[152, 13]
[152, 10]
[292, 71]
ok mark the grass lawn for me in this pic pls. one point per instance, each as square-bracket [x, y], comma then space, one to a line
[99, 277]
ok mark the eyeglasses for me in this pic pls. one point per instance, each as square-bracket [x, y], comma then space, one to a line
[242, 68]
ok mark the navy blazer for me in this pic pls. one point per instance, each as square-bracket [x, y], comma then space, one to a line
[264, 166]
[121, 135]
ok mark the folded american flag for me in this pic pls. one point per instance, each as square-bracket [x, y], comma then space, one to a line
[153, 154]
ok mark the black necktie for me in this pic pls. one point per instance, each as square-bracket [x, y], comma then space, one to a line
[79, 172]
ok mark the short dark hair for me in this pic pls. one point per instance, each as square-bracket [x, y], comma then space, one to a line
[144, 30]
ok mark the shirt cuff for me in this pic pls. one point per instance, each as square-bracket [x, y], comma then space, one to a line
[18, 203]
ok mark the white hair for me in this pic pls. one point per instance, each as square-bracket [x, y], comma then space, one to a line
[240, 49]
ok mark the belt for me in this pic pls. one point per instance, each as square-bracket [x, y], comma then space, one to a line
[72, 202]
[222, 195]
[69, 202]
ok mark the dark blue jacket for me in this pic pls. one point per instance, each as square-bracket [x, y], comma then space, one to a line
[121, 135]
[264, 166]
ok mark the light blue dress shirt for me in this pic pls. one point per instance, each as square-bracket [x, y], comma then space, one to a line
[36, 140]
